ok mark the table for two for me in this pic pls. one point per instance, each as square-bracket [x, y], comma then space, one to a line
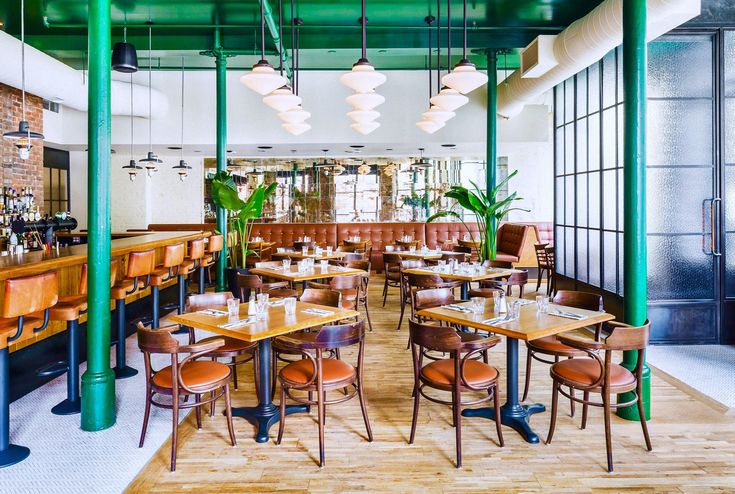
[465, 277]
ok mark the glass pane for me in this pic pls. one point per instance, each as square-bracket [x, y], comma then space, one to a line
[582, 145]
[559, 150]
[609, 138]
[593, 142]
[729, 58]
[62, 185]
[47, 183]
[582, 255]
[621, 199]
[569, 149]
[729, 199]
[675, 197]
[559, 104]
[621, 135]
[730, 265]
[569, 100]
[582, 93]
[610, 257]
[609, 200]
[729, 125]
[608, 79]
[569, 200]
[680, 66]
[569, 252]
[679, 132]
[619, 74]
[594, 201]
[559, 250]
[582, 209]
[593, 85]
[621, 265]
[678, 269]
[594, 257]
[560, 199]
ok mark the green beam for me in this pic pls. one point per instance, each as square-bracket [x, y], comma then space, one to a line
[221, 64]
[634, 192]
[98, 381]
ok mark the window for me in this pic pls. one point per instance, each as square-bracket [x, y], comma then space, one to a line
[55, 181]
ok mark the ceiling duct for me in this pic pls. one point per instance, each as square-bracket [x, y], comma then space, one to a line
[585, 42]
[53, 80]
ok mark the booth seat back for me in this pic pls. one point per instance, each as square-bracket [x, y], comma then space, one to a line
[284, 234]
[436, 233]
[544, 232]
[380, 235]
[511, 239]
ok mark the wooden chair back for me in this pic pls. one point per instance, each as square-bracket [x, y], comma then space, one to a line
[330, 298]
[362, 264]
[422, 281]
[541, 257]
[432, 297]
[579, 300]
[152, 341]
[406, 244]
[298, 245]
[432, 337]
[207, 300]
[340, 335]
[346, 282]
[391, 259]
[353, 256]
[462, 248]
[457, 256]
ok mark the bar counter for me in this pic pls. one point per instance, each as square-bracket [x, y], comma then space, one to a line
[68, 262]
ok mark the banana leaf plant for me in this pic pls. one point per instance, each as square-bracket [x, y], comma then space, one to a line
[241, 214]
[487, 210]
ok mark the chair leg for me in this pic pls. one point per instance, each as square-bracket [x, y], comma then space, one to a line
[554, 407]
[274, 373]
[363, 406]
[233, 366]
[498, 422]
[585, 408]
[644, 425]
[282, 421]
[367, 313]
[608, 431]
[571, 402]
[416, 396]
[174, 436]
[212, 405]
[321, 411]
[458, 424]
[529, 361]
[403, 309]
[385, 291]
[228, 412]
[198, 410]
[540, 275]
[146, 414]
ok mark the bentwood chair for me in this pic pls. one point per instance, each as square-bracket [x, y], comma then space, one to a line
[316, 374]
[248, 283]
[519, 279]
[362, 299]
[551, 345]
[457, 256]
[406, 244]
[182, 379]
[598, 374]
[457, 374]
[551, 286]
[403, 284]
[392, 272]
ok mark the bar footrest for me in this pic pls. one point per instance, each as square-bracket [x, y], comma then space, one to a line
[54, 369]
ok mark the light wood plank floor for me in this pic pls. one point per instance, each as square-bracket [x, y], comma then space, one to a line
[693, 440]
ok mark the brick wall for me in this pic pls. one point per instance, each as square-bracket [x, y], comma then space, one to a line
[16, 172]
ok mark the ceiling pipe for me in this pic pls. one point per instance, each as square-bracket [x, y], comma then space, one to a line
[53, 80]
[585, 42]
[272, 23]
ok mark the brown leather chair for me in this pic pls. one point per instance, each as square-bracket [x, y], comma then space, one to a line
[511, 237]
[598, 374]
[392, 272]
[69, 309]
[455, 374]
[173, 258]
[182, 379]
[484, 292]
[351, 287]
[140, 267]
[552, 345]
[253, 283]
[24, 300]
[314, 373]
[214, 248]
[457, 256]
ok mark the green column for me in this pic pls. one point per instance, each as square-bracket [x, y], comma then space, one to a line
[634, 198]
[98, 381]
[294, 172]
[427, 186]
[491, 151]
[221, 64]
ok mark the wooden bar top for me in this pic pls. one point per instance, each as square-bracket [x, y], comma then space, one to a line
[35, 262]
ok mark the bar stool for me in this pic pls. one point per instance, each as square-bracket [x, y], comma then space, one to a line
[24, 298]
[140, 265]
[214, 247]
[68, 309]
[173, 257]
[194, 260]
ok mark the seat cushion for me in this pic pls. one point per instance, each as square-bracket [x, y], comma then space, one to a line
[441, 372]
[231, 345]
[68, 308]
[552, 345]
[120, 290]
[161, 275]
[195, 374]
[585, 371]
[186, 267]
[503, 256]
[334, 371]
[9, 326]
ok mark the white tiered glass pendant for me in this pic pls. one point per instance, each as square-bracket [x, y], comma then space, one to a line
[363, 116]
[294, 115]
[429, 126]
[365, 101]
[464, 77]
[296, 128]
[363, 78]
[365, 128]
[282, 99]
[449, 99]
[437, 114]
[263, 78]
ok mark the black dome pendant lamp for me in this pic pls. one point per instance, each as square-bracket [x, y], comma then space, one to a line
[124, 55]
[151, 161]
[183, 167]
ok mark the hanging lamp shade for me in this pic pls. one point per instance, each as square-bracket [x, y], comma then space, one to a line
[132, 169]
[363, 116]
[429, 126]
[296, 128]
[464, 77]
[124, 58]
[294, 115]
[363, 78]
[282, 99]
[365, 128]
[365, 101]
[338, 169]
[263, 78]
[150, 162]
[23, 138]
[437, 114]
[449, 99]
[182, 169]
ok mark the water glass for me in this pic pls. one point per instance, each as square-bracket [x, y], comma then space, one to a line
[280, 250]
[286, 264]
[323, 264]
[262, 304]
[329, 250]
[497, 296]
[289, 305]
[540, 304]
[233, 307]
[514, 310]
[304, 250]
[545, 305]
[412, 248]
[389, 248]
[478, 305]
[318, 251]
[441, 262]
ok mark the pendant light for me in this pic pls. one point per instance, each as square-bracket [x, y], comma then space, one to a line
[448, 99]
[422, 163]
[437, 114]
[365, 128]
[124, 55]
[132, 167]
[430, 126]
[464, 78]
[263, 78]
[183, 167]
[365, 101]
[363, 116]
[151, 161]
[23, 137]
[431, 121]
[295, 115]
[283, 98]
[295, 118]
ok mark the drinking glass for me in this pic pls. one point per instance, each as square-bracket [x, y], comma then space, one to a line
[441, 262]
[286, 264]
[304, 250]
[478, 305]
[262, 303]
[329, 250]
[289, 304]
[389, 248]
[545, 305]
[412, 248]
[280, 250]
[233, 307]
[497, 296]
[323, 264]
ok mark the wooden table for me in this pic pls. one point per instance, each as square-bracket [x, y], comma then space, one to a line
[277, 323]
[529, 326]
[465, 278]
[294, 275]
[431, 255]
[299, 255]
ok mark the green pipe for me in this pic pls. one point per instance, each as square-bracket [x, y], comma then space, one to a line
[427, 211]
[491, 150]
[272, 24]
[98, 381]
[634, 192]
[221, 64]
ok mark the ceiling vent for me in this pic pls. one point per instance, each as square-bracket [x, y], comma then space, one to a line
[538, 57]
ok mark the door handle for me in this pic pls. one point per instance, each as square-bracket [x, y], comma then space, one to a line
[704, 226]
[712, 216]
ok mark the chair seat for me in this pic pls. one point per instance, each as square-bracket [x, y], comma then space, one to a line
[441, 372]
[187, 267]
[68, 308]
[208, 261]
[231, 346]
[552, 345]
[502, 256]
[120, 290]
[8, 326]
[585, 371]
[161, 275]
[333, 370]
[195, 374]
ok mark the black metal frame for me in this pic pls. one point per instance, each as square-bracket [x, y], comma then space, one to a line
[53, 160]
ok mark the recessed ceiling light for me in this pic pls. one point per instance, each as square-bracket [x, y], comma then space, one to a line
[331, 51]
[356, 146]
[382, 51]
[174, 147]
[265, 147]
[449, 145]
[389, 149]
[293, 150]
[229, 150]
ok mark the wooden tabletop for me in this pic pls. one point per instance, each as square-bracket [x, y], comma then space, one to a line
[277, 323]
[483, 274]
[530, 326]
[297, 254]
[313, 274]
[417, 254]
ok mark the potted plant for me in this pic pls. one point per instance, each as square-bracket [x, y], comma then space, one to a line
[487, 209]
[240, 217]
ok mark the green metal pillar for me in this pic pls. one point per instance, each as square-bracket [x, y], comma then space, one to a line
[491, 151]
[98, 381]
[427, 187]
[221, 64]
[634, 199]
[294, 172]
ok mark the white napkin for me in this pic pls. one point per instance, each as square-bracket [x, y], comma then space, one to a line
[495, 320]
[212, 312]
[568, 315]
[318, 312]
[238, 324]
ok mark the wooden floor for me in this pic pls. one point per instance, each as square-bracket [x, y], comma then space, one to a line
[693, 440]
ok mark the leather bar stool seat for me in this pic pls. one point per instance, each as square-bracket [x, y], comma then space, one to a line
[121, 289]
[69, 308]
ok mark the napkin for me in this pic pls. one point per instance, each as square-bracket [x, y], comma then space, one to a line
[457, 308]
[495, 320]
[318, 312]
[238, 324]
[568, 315]
[213, 312]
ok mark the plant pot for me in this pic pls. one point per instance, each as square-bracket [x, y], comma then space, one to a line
[232, 279]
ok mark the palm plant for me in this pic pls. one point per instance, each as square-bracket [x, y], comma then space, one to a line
[486, 208]
[241, 214]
